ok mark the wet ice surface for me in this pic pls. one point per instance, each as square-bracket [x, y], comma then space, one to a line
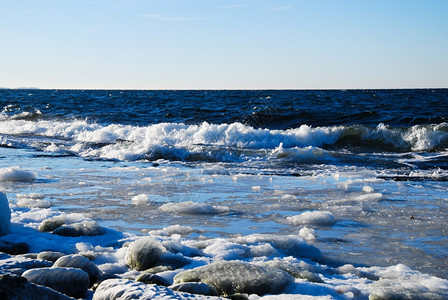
[351, 215]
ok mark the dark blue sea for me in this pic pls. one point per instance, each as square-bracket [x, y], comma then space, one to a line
[361, 175]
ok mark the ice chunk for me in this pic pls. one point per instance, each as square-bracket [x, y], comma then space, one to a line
[190, 207]
[400, 282]
[5, 215]
[140, 199]
[307, 234]
[32, 200]
[288, 244]
[312, 217]
[288, 197]
[223, 249]
[368, 197]
[229, 278]
[367, 189]
[174, 229]
[256, 188]
[15, 174]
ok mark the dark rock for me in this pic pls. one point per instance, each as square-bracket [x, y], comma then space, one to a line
[195, 288]
[149, 278]
[13, 248]
[103, 278]
[84, 228]
[175, 261]
[69, 281]
[238, 297]
[18, 288]
[51, 224]
[158, 269]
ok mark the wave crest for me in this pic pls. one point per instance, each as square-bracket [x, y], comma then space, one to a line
[217, 142]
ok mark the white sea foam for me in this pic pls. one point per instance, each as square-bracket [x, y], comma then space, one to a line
[224, 142]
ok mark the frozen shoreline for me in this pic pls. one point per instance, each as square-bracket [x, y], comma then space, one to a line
[313, 276]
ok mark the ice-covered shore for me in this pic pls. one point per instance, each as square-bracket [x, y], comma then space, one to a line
[87, 261]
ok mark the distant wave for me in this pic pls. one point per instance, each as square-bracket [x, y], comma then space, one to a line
[216, 142]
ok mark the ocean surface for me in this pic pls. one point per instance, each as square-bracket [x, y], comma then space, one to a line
[362, 175]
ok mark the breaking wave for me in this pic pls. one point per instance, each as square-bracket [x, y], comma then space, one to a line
[217, 142]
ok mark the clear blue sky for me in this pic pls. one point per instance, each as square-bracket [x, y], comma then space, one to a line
[223, 44]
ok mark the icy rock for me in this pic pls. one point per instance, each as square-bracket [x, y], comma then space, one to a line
[195, 288]
[50, 255]
[51, 224]
[193, 208]
[144, 253]
[159, 269]
[229, 278]
[13, 248]
[5, 215]
[149, 278]
[15, 287]
[69, 281]
[17, 265]
[294, 269]
[127, 289]
[80, 262]
[84, 228]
